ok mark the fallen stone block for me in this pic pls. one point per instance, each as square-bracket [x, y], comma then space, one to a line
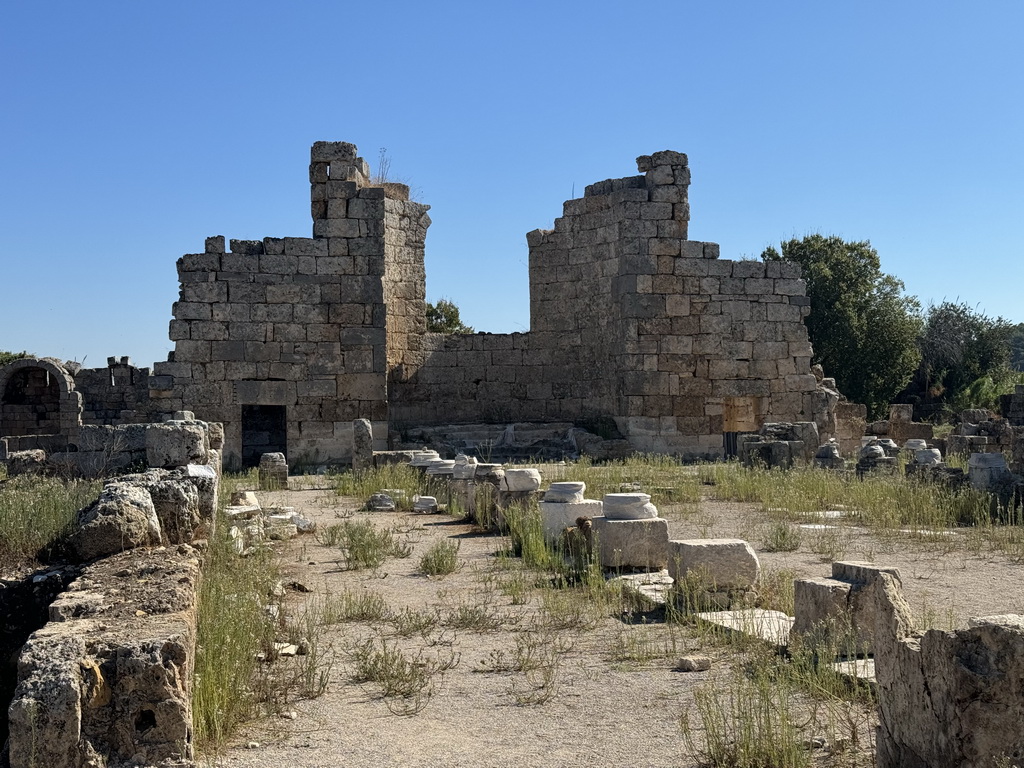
[723, 563]
[631, 543]
[244, 499]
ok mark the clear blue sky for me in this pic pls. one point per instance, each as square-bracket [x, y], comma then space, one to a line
[131, 131]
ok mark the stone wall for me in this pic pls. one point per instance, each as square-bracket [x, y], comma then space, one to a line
[117, 394]
[286, 341]
[632, 320]
[295, 323]
[945, 699]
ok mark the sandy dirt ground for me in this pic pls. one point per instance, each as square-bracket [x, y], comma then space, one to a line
[607, 709]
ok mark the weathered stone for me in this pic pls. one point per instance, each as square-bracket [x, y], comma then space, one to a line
[175, 445]
[32, 462]
[694, 663]
[987, 470]
[520, 480]
[929, 687]
[122, 518]
[273, 471]
[362, 444]
[632, 543]
[724, 563]
[565, 492]
[381, 502]
[108, 680]
[629, 506]
[556, 516]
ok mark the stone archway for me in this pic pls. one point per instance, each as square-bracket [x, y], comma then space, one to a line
[38, 397]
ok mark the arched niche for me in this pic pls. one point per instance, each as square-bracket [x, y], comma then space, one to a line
[37, 397]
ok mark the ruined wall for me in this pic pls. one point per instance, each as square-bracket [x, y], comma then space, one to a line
[631, 320]
[291, 332]
[117, 394]
[39, 406]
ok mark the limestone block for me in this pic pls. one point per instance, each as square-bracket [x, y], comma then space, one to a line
[422, 459]
[565, 492]
[362, 444]
[26, 462]
[945, 699]
[556, 516]
[175, 445]
[176, 502]
[987, 470]
[108, 680]
[519, 480]
[332, 151]
[632, 543]
[829, 609]
[273, 471]
[629, 506]
[245, 499]
[426, 504]
[122, 518]
[726, 563]
[206, 479]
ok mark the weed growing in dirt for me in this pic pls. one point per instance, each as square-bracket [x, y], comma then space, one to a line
[352, 605]
[781, 536]
[475, 617]
[363, 544]
[406, 683]
[234, 632]
[441, 559]
[643, 644]
[408, 622]
[748, 723]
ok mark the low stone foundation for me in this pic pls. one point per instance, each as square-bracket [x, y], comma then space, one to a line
[108, 680]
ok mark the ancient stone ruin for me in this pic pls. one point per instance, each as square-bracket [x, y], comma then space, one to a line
[287, 340]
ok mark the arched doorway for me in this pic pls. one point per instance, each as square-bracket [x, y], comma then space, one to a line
[30, 404]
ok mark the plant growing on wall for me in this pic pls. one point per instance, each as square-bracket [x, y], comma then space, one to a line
[8, 357]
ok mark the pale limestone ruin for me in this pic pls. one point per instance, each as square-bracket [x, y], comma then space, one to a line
[315, 351]
[286, 341]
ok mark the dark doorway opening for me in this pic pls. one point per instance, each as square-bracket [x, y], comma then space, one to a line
[264, 430]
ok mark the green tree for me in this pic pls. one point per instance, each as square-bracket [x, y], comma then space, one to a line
[443, 317]
[7, 357]
[1017, 347]
[965, 358]
[863, 327]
